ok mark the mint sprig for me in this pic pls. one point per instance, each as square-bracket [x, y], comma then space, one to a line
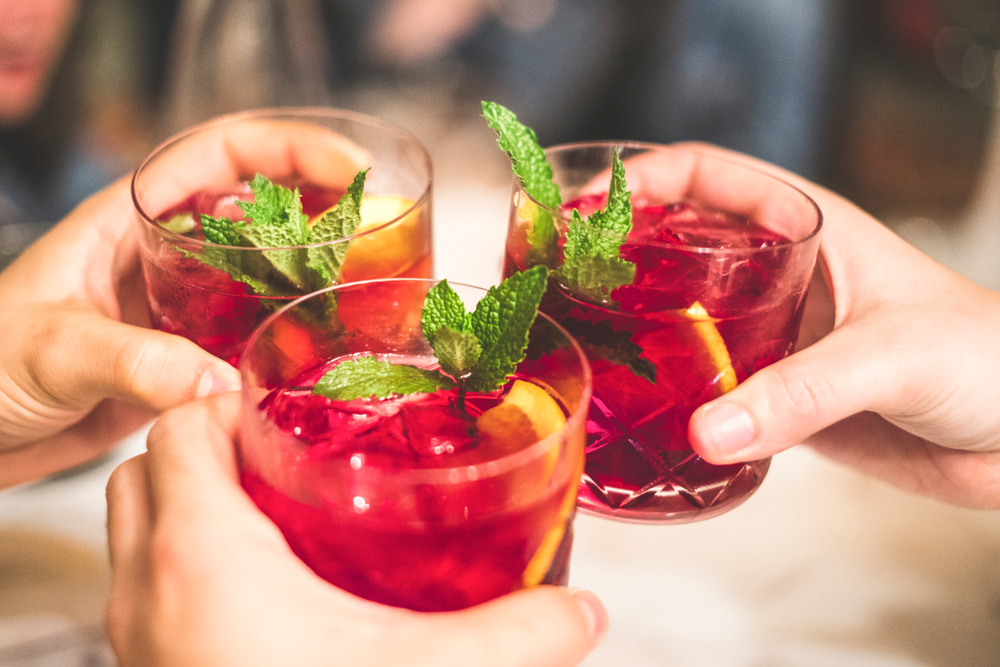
[592, 266]
[278, 224]
[477, 351]
[531, 167]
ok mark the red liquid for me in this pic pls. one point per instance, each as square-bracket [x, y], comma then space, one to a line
[206, 305]
[425, 546]
[640, 465]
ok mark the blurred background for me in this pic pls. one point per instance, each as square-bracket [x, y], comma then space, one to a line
[895, 104]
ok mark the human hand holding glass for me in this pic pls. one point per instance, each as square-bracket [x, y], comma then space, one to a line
[79, 369]
[700, 287]
[896, 373]
[205, 578]
[215, 288]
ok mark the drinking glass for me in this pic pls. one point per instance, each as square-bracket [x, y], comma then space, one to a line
[722, 255]
[390, 499]
[207, 170]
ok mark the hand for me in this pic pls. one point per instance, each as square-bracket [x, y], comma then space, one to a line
[201, 577]
[79, 366]
[897, 373]
[78, 371]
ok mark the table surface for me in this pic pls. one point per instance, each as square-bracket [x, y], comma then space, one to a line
[820, 568]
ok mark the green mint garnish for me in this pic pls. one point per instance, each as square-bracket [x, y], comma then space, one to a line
[368, 376]
[340, 223]
[520, 143]
[278, 224]
[605, 342]
[501, 322]
[592, 266]
[477, 351]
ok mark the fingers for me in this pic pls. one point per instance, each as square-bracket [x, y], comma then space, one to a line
[80, 356]
[130, 521]
[97, 433]
[543, 627]
[177, 466]
[782, 405]
[215, 156]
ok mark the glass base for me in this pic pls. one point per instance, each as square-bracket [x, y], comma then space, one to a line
[689, 490]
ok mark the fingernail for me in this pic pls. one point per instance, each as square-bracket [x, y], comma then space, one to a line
[594, 611]
[218, 379]
[726, 428]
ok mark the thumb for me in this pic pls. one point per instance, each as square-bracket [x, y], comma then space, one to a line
[545, 626]
[782, 405]
[84, 354]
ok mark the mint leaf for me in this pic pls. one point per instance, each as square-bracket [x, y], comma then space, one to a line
[456, 351]
[276, 206]
[328, 260]
[501, 322]
[478, 350]
[279, 226]
[447, 327]
[617, 215]
[443, 307]
[221, 231]
[368, 376]
[532, 168]
[592, 266]
[605, 342]
[520, 143]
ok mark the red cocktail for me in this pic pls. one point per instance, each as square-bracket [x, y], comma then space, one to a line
[722, 258]
[412, 500]
[215, 294]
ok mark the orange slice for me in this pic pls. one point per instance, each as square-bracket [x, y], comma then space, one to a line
[713, 347]
[387, 252]
[528, 414]
[542, 410]
[541, 560]
[506, 429]
[528, 408]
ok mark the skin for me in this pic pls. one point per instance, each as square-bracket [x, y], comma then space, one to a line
[896, 373]
[33, 36]
[201, 577]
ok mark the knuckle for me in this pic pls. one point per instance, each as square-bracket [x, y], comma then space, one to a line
[798, 396]
[141, 365]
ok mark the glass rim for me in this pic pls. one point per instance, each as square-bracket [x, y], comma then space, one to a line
[282, 113]
[474, 472]
[648, 146]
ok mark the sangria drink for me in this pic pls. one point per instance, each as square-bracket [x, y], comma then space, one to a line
[718, 260]
[435, 500]
[214, 284]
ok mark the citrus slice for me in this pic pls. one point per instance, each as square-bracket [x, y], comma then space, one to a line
[505, 429]
[545, 414]
[713, 346]
[526, 415]
[387, 252]
[541, 560]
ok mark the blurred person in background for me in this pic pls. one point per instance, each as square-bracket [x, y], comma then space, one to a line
[756, 77]
[45, 168]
